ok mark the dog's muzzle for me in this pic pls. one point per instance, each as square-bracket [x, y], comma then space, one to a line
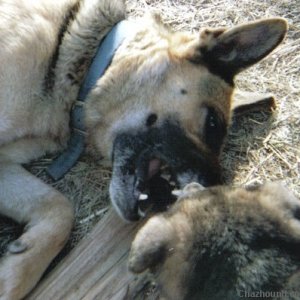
[149, 165]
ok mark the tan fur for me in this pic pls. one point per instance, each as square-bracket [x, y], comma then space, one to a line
[39, 84]
[244, 237]
[33, 123]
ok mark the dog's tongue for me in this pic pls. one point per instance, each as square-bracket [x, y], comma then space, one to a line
[153, 168]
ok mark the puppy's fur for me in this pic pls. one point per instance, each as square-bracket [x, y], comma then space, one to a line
[165, 98]
[224, 244]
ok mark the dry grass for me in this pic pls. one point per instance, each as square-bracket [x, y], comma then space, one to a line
[259, 147]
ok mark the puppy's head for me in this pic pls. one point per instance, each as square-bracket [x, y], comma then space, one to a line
[165, 100]
[217, 243]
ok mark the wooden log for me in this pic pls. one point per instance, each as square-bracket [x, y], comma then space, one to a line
[96, 268]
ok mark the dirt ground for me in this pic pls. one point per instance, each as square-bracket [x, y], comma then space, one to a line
[260, 147]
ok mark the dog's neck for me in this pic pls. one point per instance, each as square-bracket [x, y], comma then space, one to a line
[83, 29]
[100, 63]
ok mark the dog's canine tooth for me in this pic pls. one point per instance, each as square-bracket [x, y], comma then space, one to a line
[177, 193]
[143, 197]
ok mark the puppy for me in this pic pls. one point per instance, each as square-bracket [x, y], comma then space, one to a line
[224, 243]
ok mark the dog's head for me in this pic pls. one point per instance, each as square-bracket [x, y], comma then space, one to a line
[221, 243]
[165, 100]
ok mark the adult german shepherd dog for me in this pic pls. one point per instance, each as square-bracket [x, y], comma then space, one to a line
[164, 99]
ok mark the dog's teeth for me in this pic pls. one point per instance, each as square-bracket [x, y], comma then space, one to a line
[143, 197]
[177, 193]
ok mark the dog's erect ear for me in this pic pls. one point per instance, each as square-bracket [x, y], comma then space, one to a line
[231, 51]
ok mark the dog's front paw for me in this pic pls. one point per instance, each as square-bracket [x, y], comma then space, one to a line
[19, 272]
[14, 279]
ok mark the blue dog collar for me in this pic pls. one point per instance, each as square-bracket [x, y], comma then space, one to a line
[104, 55]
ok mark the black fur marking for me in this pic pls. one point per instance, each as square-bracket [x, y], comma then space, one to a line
[183, 92]
[221, 71]
[208, 270]
[152, 118]
[70, 76]
[297, 213]
[279, 242]
[50, 75]
[215, 130]
[207, 276]
[214, 66]
[72, 79]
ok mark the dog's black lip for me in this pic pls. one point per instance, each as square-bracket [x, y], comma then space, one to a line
[133, 217]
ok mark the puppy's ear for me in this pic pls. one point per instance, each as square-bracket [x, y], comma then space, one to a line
[151, 245]
[231, 51]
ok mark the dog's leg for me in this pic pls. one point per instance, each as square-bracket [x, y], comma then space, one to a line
[48, 217]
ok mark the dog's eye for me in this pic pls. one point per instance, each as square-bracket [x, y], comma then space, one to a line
[151, 119]
[214, 131]
[211, 121]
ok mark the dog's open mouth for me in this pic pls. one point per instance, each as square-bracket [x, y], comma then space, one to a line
[155, 191]
[149, 165]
